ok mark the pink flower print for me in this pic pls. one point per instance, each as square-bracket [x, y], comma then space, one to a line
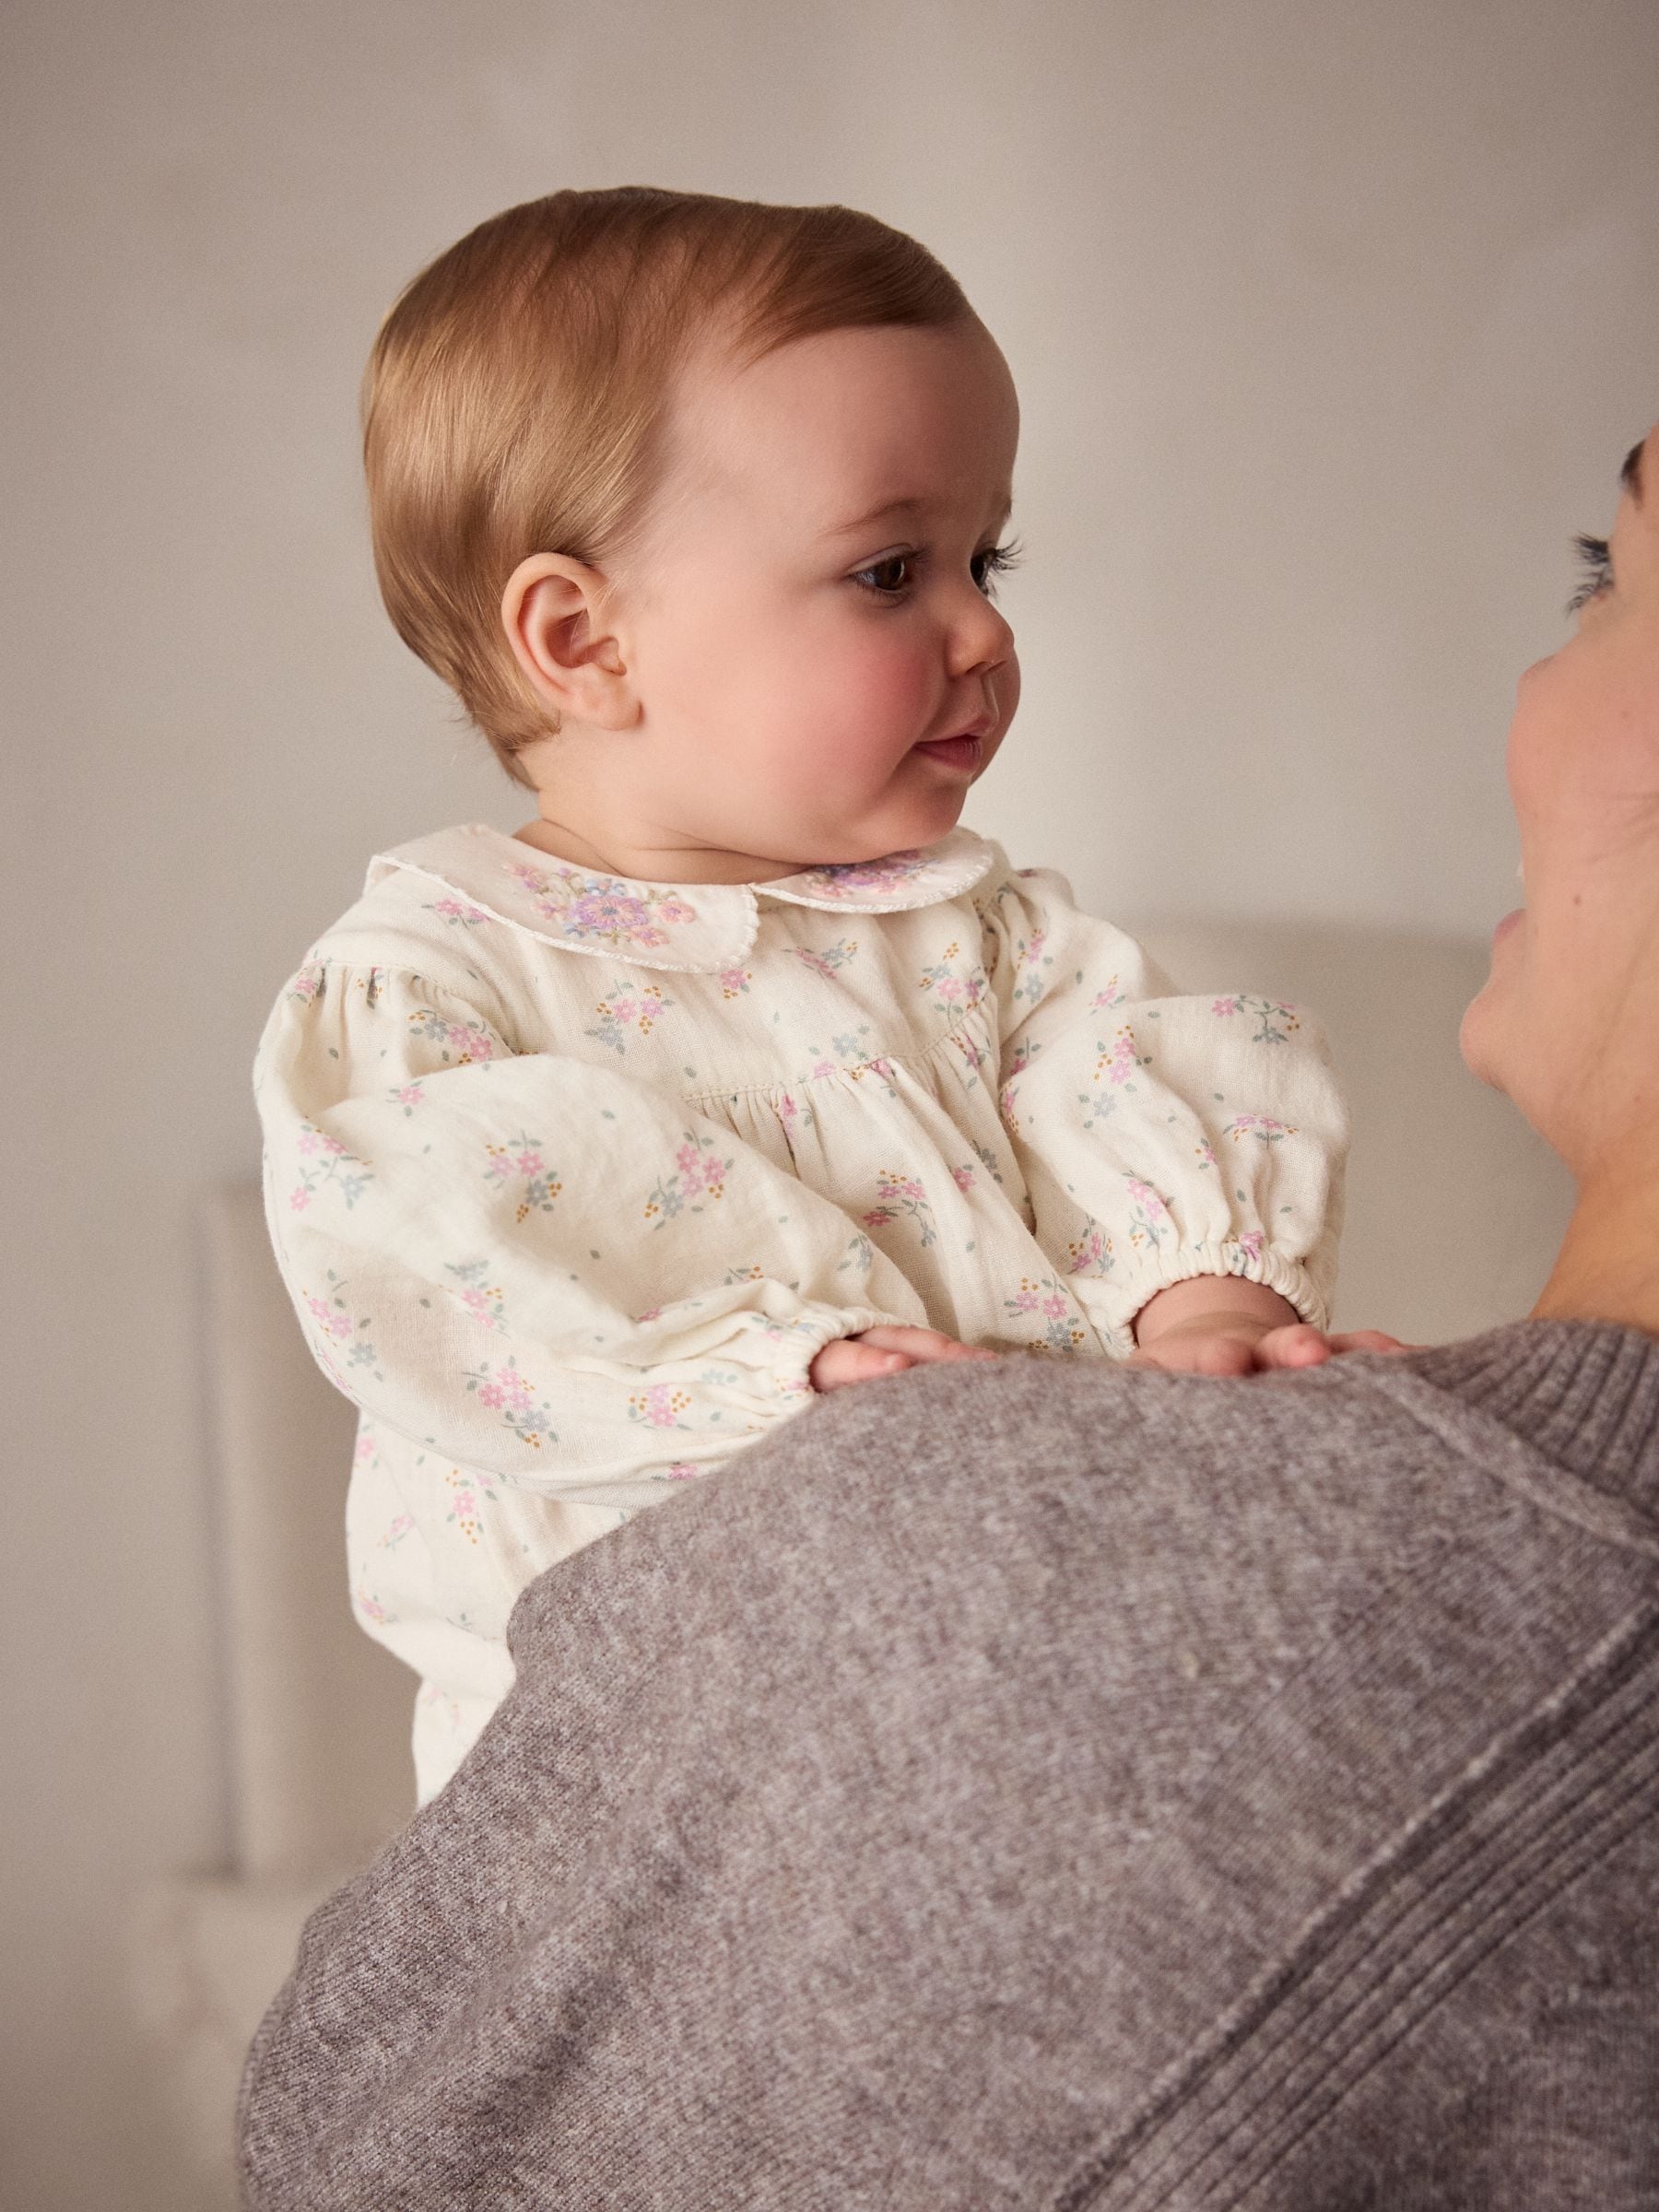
[334, 1323]
[1147, 1198]
[1112, 995]
[834, 956]
[733, 981]
[1207, 1158]
[1262, 1126]
[365, 1447]
[1092, 1252]
[1030, 960]
[602, 906]
[1152, 1220]
[484, 1300]
[340, 1339]
[847, 881]
[630, 1008]
[963, 1178]
[650, 1313]
[466, 1492]
[659, 1406]
[901, 1195]
[1118, 1062]
[408, 1096]
[1061, 1329]
[522, 1163]
[700, 1174]
[369, 1607]
[335, 1171]
[308, 983]
[1008, 1095]
[505, 1390]
[611, 914]
[946, 988]
[1274, 1019]
[459, 1043]
[680, 1470]
[1251, 1244]
[458, 910]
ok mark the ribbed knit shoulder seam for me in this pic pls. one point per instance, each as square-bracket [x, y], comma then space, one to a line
[1562, 1791]
[1475, 1430]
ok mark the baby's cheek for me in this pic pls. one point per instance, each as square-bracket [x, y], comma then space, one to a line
[894, 700]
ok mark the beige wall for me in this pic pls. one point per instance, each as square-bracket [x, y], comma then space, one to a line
[1332, 324]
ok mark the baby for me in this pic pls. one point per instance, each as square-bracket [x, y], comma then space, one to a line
[740, 1072]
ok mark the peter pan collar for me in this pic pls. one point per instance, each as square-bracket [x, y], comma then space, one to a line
[487, 876]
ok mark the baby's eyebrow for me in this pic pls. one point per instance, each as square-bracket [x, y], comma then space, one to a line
[900, 510]
[889, 509]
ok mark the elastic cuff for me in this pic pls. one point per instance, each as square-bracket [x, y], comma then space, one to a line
[1113, 1305]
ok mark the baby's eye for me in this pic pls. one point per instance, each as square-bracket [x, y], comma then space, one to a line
[993, 563]
[888, 577]
[1596, 564]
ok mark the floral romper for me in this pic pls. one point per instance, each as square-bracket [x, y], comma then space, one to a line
[570, 1177]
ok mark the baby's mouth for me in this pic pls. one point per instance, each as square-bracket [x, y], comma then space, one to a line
[962, 753]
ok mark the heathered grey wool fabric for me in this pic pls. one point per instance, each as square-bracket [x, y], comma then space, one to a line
[1051, 1786]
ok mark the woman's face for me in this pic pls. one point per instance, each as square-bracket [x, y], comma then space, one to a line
[1568, 1024]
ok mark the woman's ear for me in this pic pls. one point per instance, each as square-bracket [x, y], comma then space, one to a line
[553, 612]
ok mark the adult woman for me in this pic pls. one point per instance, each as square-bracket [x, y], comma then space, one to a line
[1027, 1787]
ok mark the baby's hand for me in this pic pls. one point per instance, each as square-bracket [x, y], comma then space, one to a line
[888, 1350]
[1217, 1325]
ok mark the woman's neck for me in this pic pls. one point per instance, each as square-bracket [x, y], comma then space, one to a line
[1607, 1268]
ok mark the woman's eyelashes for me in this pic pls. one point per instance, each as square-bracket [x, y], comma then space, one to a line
[1595, 572]
[893, 575]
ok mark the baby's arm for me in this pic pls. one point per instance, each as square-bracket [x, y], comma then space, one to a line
[533, 1266]
[1170, 1146]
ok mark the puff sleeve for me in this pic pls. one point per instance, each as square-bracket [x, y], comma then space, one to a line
[543, 1270]
[1161, 1136]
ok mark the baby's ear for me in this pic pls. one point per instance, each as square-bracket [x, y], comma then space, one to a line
[553, 611]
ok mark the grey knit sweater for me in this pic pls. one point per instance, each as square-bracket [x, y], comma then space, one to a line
[1046, 1786]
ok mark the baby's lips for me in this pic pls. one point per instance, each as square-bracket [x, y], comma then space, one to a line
[964, 753]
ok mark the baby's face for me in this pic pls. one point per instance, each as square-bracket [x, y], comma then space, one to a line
[806, 617]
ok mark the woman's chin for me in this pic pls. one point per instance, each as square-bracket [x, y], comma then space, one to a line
[1480, 1032]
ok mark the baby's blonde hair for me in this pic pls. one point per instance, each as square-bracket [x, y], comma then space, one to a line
[511, 399]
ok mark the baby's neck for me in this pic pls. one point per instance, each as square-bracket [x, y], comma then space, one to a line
[653, 863]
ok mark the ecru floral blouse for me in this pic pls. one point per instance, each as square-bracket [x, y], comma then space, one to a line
[570, 1177]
